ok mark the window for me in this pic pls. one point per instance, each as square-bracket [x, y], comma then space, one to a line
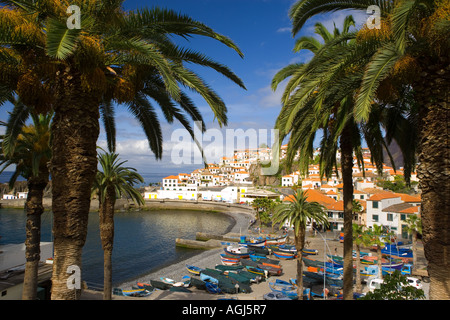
[375, 218]
[375, 204]
[390, 217]
[361, 197]
[403, 217]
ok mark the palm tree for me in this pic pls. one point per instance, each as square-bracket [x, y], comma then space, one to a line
[29, 150]
[313, 102]
[411, 49]
[298, 211]
[111, 184]
[359, 239]
[376, 234]
[117, 57]
[414, 227]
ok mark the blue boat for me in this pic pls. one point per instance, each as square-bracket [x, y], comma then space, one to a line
[212, 288]
[289, 291]
[132, 293]
[193, 269]
[397, 253]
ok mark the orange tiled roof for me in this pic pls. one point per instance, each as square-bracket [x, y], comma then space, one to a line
[171, 177]
[409, 198]
[383, 195]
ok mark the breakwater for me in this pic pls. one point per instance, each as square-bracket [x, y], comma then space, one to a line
[161, 204]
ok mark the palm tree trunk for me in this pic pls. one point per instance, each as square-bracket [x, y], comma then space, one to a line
[299, 245]
[433, 97]
[75, 129]
[106, 213]
[414, 248]
[358, 269]
[347, 174]
[380, 262]
[34, 209]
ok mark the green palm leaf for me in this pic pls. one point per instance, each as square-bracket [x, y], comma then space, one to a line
[379, 68]
[61, 41]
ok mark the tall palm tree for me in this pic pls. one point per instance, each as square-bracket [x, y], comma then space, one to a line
[414, 227]
[298, 212]
[312, 102]
[117, 57]
[412, 49]
[112, 183]
[29, 150]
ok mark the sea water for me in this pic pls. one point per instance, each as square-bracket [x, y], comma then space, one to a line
[144, 241]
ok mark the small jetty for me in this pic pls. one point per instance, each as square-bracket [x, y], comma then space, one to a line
[207, 240]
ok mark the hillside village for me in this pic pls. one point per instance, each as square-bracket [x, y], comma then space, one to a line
[230, 181]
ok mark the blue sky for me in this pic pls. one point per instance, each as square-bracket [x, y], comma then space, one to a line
[261, 29]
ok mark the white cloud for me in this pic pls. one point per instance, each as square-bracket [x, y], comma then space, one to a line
[283, 30]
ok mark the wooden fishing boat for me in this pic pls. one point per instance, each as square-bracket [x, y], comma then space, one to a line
[258, 271]
[284, 255]
[251, 276]
[290, 292]
[131, 293]
[264, 259]
[268, 263]
[306, 251]
[146, 286]
[199, 284]
[238, 251]
[229, 260]
[209, 275]
[160, 285]
[331, 279]
[193, 269]
[224, 268]
[284, 248]
[259, 250]
[275, 241]
[256, 257]
[212, 288]
[238, 277]
[172, 282]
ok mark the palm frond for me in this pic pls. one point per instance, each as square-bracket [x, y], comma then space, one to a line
[379, 68]
[61, 41]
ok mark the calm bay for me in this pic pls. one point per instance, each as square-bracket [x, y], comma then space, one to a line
[144, 241]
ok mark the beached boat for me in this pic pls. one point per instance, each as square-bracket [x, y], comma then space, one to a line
[258, 271]
[229, 260]
[284, 248]
[284, 255]
[208, 276]
[194, 269]
[257, 258]
[160, 285]
[319, 276]
[406, 255]
[173, 282]
[147, 286]
[290, 292]
[259, 250]
[197, 283]
[306, 251]
[238, 251]
[131, 293]
[224, 268]
[251, 276]
[275, 241]
[212, 288]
